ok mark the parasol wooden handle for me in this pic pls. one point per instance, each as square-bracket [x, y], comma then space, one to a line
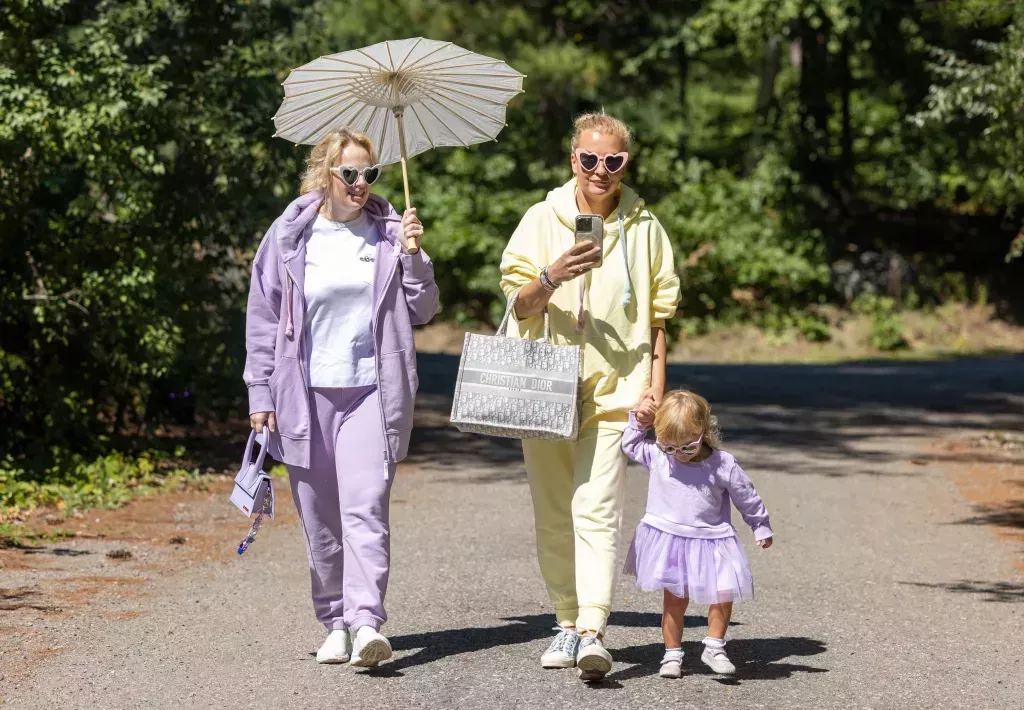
[412, 246]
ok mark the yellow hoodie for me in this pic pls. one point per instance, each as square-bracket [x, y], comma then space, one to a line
[616, 338]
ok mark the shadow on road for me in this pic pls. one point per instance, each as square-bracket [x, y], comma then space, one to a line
[436, 645]
[1006, 515]
[992, 591]
[828, 412]
[755, 659]
[15, 599]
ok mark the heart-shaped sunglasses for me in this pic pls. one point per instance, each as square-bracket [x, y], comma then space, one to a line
[613, 162]
[350, 175]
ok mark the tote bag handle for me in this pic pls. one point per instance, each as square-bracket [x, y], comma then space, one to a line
[510, 315]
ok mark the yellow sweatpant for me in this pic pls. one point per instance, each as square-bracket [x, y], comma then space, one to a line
[578, 489]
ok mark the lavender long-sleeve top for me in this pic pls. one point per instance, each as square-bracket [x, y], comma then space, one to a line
[692, 499]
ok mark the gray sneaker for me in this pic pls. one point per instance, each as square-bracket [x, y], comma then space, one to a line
[593, 659]
[562, 651]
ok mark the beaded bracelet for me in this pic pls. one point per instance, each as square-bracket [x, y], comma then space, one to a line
[546, 282]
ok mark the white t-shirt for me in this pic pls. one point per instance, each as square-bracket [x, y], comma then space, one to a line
[339, 302]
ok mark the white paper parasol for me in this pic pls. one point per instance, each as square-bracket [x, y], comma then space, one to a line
[407, 95]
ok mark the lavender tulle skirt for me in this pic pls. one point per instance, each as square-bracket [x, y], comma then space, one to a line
[705, 571]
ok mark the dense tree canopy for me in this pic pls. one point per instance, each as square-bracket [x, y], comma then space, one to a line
[785, 145]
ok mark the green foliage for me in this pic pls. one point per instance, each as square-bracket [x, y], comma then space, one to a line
[742, 247]
[15, 535]
[886, 323]
[108, 481]
[983, 98]
[774, 137]
[136, 167]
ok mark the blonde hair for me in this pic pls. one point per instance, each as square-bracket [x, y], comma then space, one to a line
[683, 412]
[317, 177]
[602, 123]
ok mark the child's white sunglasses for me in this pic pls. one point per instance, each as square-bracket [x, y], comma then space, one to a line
[690, 449]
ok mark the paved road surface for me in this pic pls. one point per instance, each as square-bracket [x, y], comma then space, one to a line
[877, 594]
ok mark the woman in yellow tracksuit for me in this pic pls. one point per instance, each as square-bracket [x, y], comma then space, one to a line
[613, 302]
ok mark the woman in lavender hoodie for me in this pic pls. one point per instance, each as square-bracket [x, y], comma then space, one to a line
[331, 370]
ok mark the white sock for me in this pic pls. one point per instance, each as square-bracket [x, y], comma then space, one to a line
[673, 654]
[712, 642]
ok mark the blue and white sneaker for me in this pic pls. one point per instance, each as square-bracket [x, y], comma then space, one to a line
[593, 659]
[562, 651]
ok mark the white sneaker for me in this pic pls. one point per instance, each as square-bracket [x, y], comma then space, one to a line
[592, 659]
[336, 649]
[716, 660]
[672, 664]
[562, 651]
[369, 648]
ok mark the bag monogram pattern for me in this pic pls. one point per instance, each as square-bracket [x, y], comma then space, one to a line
[518, 413]
[545, 420]
[500, 350]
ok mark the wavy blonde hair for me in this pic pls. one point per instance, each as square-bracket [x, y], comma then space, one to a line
[602, 123]
[681, 414]
[317, 176]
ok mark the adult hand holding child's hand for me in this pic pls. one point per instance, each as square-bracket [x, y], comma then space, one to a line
[645, 412]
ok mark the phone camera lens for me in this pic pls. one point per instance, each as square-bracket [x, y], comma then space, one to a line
[587, 223]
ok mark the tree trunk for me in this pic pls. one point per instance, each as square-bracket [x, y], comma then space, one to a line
[765, 107]
[814, 138]
[846, 165]
[683, 60]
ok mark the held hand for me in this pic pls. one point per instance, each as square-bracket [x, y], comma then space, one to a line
[765, 544]
[412, 230]
[645, 412]
[653, 394]
[578, 260]
[258, 419]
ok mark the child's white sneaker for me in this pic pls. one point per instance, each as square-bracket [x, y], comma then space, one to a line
[593, 659]
[672, 663]
[562, 651]
[714, 656]
[336, 649]
[369, 648]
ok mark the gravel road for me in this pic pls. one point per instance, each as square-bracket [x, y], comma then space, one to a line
[880, 591]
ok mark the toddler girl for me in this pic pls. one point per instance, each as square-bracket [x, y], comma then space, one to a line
[685, 544]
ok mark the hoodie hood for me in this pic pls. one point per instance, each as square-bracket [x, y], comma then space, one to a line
[303, 210]
[563, 202]
[616, 225]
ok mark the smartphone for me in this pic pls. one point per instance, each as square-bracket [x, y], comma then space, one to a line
[590, 227]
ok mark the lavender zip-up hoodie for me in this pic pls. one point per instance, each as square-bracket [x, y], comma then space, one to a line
[275, 367]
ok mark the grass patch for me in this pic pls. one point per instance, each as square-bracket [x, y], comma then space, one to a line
[109, 481]
[14, 535]
[873, 331]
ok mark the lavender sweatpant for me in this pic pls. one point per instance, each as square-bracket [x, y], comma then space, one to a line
[343, 504]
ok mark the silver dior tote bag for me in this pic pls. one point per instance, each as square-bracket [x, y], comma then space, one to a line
[519, 389]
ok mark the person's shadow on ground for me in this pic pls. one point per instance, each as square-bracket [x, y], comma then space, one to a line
[435, 645]
[755, 659]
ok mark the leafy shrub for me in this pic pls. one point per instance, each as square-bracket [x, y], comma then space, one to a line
[886, 322]
[743, 245]
[107, 481]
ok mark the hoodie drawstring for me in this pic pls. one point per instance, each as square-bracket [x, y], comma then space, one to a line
[628, 297]
[288, 329]
[581, 316]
